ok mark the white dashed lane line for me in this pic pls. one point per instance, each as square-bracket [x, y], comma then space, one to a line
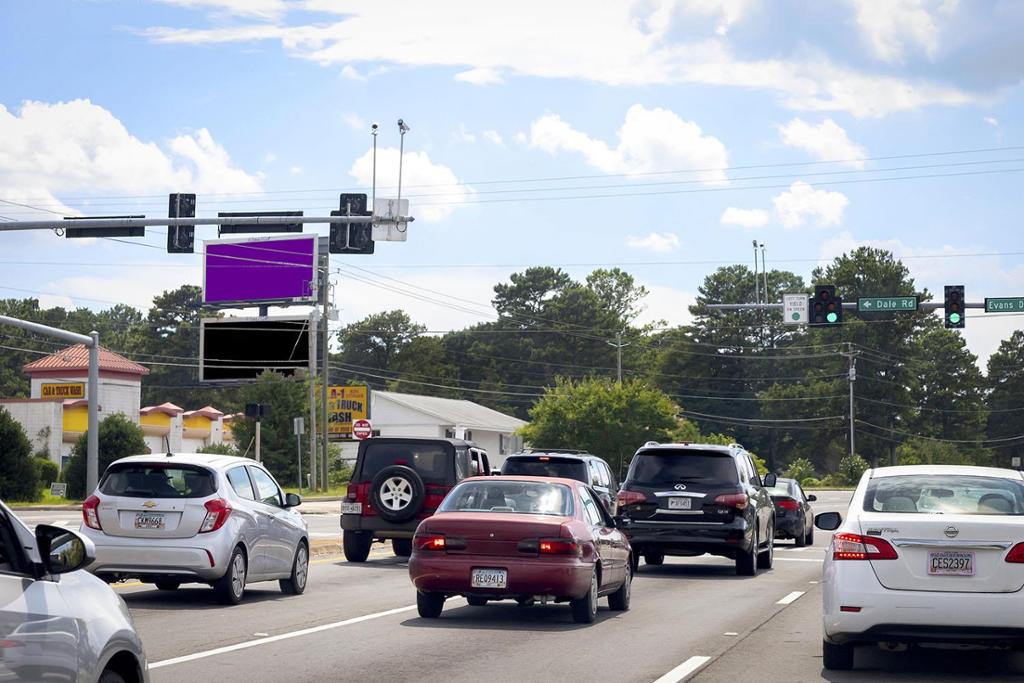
[683, 670]
[790, 598]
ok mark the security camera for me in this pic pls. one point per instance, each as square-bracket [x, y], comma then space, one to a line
[402, 127]
[373, 127]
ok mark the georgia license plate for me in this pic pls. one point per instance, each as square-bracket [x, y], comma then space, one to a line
[951, 563]
[351, 508]
[149, 520]
[679, 503]
[489, 578]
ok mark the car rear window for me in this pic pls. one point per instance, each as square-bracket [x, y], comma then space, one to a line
[434, 463]
[672, 466]
[140, 480]
[779, 491]
[543, 466]
[945, 494]
[509, 496]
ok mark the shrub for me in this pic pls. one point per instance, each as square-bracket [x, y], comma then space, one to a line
[800, 469]
[218, 449]
[47, 471]
[851, 468]
[18, 477]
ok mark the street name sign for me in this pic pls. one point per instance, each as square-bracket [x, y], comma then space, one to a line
[1013, 304]
[875, 304]
[794, 309]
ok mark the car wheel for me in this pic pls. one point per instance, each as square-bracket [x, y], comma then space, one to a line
[109, 676]
[429, 605]
[801, 537]
[356, 545]
[296, 583]
[746, 560]
[168, 585]
[766, 558]
[402, 546]
[230, 587]
[654, 558]
[397, 493]
[836, 657]
[635, 562]
[810, 536]
[476, 601]
[584, 610]
[619, 600]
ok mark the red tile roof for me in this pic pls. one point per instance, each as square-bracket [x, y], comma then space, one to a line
[77, 358]
[209, 412]
[165, 408]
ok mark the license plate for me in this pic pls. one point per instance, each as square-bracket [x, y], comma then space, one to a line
[149, 520]
[351, 508]
[951, 563]
[679, 503]
[489, 578]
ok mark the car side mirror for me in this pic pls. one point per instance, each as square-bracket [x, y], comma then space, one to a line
[770, 480]
[292, 500]
[828, 521]
[811, 498]
[63, 550]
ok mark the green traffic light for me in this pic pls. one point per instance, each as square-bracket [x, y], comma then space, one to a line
[954, 318]
[831, 317]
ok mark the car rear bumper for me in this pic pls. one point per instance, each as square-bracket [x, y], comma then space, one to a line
[149, 559]
[380, 528]
[561, 578]
[788, 527]
[687, 538]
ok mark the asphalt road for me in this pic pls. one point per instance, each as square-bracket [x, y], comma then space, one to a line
[690, 619]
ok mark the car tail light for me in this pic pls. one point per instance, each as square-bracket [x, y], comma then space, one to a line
[8, 644]
[352, 492]
[90, 513]
[631, 498]
[788, 504]
[1016, 554]
[217, 512]
[732, 500]
[558, 546]
[430, 542]
[849, 608]
[857, 547]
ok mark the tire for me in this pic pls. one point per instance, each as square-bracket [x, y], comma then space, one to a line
[836, 657]
[766, 558]
[402, 546]
[810, 536]
[584, 610]
[168, 585]
[654, 557]
[746, 560]
[429, 605]
[230, 588]
[356, 545]
[635, 562]
[476, 602]
[296, 583]
[801, 538]
[619, 600]
[109, 676]
[397, 493]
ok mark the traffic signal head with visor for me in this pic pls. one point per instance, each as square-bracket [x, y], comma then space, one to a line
[953, 306]
[826, 307]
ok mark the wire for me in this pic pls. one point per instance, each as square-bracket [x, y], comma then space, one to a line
[932, 438]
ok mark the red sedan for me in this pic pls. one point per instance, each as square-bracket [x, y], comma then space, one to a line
[524, 538]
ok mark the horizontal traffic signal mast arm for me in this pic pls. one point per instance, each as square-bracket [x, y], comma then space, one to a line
[847, 306]
[97, 223]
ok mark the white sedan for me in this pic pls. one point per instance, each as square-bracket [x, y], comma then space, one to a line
[927, 554]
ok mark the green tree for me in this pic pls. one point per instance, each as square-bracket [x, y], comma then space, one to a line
[602, 416]
[927, 452]
[288, 398]
[851, 468]
[375, 345]
[118, 436]
[1006, 398]
[18, 477]
[800, 469]
[218, 449]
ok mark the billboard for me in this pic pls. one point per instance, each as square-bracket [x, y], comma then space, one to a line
[345, 405]
[239, 349]
[261, 270]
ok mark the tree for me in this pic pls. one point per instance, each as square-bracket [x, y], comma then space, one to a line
[18, 476]
[218, 449]
[601, 416]
[1006, 397]
[118, 436]
[375, 344]
[928, 452]
[288, 398]
[800, 469]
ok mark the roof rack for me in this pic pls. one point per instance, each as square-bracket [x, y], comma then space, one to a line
[567, 451]
[737, 445]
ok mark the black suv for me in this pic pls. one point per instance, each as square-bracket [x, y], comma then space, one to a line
[689, 499]
[577, 465]
[398, 482]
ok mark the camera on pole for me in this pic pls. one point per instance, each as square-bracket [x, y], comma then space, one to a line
[826, 307]
[181, 238]
[351, 238]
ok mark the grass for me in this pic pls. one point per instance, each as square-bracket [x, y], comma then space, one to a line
[331, 492]
[45, 499]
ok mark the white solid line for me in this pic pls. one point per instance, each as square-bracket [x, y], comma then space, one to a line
[683, 670]
[798, 559]
[790, 598]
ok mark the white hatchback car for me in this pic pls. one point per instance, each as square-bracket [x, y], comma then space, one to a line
[216, 519]
[927, 554]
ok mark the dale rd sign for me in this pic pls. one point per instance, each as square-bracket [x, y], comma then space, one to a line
[886, 304]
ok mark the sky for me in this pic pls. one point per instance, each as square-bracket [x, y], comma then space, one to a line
[660, 136]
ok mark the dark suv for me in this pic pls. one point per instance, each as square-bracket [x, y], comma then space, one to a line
[398, 482]
[689, 499]
[577, 465]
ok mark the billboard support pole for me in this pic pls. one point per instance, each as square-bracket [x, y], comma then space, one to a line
[312, 400]
[323, 379]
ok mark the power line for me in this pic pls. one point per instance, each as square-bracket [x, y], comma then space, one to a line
[981, 442]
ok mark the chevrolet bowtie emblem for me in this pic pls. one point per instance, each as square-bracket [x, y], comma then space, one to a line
[149, 504]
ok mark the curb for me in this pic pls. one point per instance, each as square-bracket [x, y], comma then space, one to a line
[44, 508]
[325, 546]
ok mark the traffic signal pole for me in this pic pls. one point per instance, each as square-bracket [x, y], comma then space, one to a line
[847, 305]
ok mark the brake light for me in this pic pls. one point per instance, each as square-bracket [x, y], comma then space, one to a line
[351, 492]
[857, 547]
[90, 513]
[430, 542]
[558, 546]
[788, 504]
[631, 497]
[732, 500]
[8, 644]
[1016, 554]
[217, 512]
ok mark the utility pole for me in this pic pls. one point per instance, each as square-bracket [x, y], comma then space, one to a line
[852, 376]
[325, 341]
[312, 400]
[618, 346]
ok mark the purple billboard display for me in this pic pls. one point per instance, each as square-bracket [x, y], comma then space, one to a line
[264, 270]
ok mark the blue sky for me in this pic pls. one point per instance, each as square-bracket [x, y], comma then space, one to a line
[701, 117]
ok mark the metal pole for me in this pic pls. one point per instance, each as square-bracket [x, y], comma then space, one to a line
[95, 223]
[298, 457]
[757, 287]
[373, 186]
[402, 128]
[92, 440]
[324, 374]
[852, 377]
[312, 400]
[258, 440]
[618, 338]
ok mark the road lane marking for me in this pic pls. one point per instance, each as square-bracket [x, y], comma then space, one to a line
[799, 559]
[730, 633]
[790, 598]
[683, 670]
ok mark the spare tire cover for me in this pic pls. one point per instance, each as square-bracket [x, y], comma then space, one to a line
[397, 493]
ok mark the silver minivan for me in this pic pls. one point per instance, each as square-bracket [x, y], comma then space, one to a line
[180, 518]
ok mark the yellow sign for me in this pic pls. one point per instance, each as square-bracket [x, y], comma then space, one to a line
[344, 406]
[63, 390]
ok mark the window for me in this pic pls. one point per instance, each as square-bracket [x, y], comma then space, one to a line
[535, 498]
[946, 494]
[547, 466]
[752, 475]
[608, 475]
[240, 482]
[434, 462]
[503, 443]
[10, 551]
[597, 475]
[266, 487]
[144, 480]
[590, 508]
[666, 467]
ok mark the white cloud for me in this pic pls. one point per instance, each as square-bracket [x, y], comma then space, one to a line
[802, 203]
[649, 140]
[745, 218]
[463, 135]
[727, 12]
[827, 141]
[258, 9]
[522, 138]
[660, 242]
[295, 170]
[97, 291]
[356, 122]
[666, 304]
[352, 73]
[482, 76]
[269, 158]
[417, 171]
[890, 26]
[992, 121]
[494, 137]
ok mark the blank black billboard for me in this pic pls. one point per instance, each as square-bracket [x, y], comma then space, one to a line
[239, 349]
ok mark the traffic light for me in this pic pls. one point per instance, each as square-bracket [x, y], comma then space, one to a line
[181, 238]
[351, 238]
[826, 307]
[953, 307]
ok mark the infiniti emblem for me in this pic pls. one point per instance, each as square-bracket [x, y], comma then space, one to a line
[951, 531]
[680, 487]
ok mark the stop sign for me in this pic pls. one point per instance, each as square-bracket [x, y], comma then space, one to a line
[362, 429]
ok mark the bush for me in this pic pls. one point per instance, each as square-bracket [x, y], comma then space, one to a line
[810, 482]
[47, 471]
[339, 474]
[218, 449]
[18, 477]
[800, 469]
[851, 468]
[119, 437]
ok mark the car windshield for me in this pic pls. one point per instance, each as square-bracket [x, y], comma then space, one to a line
[780, 491]
[945, 494]
[545, 466]
[669, 467]
[509, 496]
[434, 462]
[140, 480]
